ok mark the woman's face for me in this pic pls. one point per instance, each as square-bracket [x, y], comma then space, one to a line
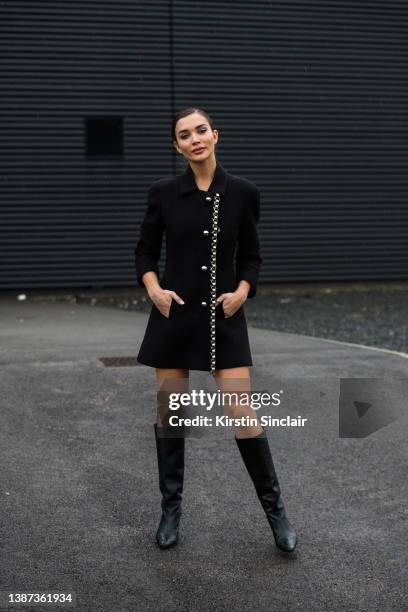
[195, 139]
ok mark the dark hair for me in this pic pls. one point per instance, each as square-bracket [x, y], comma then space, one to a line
[184, 113]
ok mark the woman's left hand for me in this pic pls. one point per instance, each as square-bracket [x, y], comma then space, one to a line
[231, 302]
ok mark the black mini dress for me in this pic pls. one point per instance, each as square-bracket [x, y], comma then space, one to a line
[212, 243]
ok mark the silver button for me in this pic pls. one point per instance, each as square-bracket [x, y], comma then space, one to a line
[208, 198]
[203, 303]
[204, 268]
[206, 232]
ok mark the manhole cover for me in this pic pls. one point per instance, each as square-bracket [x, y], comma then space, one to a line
[119, 362]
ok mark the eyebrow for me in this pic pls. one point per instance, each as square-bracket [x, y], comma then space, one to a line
[197, 126]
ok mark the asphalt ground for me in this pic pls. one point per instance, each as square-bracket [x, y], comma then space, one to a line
[80, 497]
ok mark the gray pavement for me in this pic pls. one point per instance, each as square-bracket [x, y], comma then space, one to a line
[80, 498]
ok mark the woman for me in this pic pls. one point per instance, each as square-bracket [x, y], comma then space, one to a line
[197, 320]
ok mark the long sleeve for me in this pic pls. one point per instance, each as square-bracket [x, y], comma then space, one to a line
[248, 257]
[148, 248]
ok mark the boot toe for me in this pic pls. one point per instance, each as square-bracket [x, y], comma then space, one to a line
[167, 533]
[284, 534]
[286, 542]
[166, 540]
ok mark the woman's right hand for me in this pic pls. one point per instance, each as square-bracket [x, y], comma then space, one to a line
[162, 299]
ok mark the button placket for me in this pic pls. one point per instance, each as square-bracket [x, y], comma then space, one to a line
[213, 280]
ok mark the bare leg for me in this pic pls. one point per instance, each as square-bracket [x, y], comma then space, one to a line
[165, 378]
[225, 381]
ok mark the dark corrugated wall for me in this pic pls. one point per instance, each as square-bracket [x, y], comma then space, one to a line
[67, 220]
[309, 97]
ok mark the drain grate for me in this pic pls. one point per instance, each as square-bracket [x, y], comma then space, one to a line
[119, 362]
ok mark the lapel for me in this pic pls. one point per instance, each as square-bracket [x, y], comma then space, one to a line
[187, 184]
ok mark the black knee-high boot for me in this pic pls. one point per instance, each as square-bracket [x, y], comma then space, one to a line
[170, 460]
[257, 457]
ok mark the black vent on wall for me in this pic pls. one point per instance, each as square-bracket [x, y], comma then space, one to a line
[104, 136]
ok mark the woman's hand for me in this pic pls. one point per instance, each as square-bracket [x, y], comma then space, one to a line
[162, 299]
[232, 301]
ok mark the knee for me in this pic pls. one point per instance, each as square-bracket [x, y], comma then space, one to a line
[237, 411]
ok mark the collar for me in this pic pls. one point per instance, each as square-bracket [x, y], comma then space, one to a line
[219, 183]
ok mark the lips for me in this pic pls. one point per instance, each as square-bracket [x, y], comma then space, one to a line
[198, 150]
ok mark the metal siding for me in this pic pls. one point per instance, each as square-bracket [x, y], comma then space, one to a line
[309, 97]
[66, 220]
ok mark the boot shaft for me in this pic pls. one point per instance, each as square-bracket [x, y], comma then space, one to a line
[257, 457]
[170, 460]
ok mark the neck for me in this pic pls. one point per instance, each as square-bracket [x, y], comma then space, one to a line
[204, 170]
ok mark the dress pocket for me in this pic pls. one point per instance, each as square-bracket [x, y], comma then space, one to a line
[235, 315]
[170, 311]
[177, 309]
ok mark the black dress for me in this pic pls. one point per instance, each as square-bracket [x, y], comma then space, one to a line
[206, 233]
